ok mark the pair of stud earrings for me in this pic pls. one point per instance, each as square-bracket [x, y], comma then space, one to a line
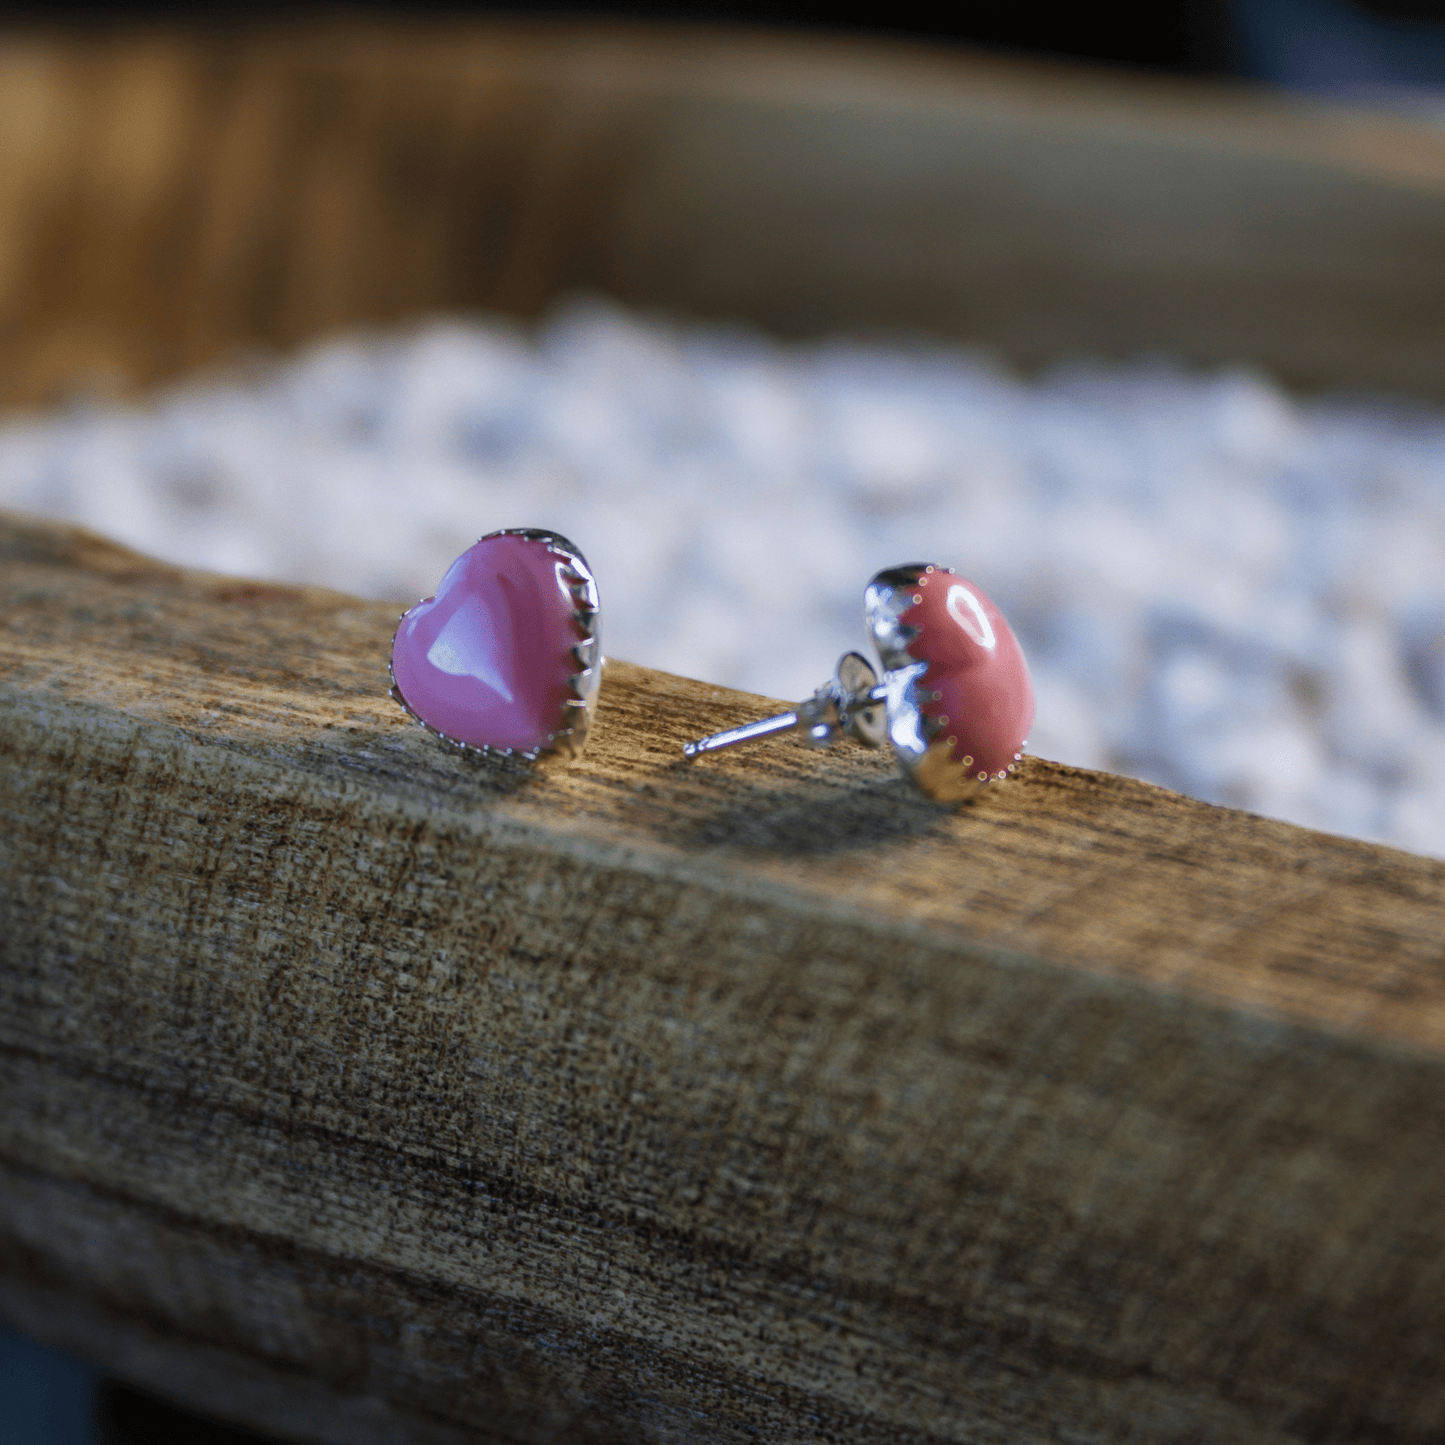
[506, 658]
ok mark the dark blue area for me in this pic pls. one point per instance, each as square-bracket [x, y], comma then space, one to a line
[45, 1396]
[1333, 47]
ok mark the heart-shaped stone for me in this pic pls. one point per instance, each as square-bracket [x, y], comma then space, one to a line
[505, 655]
[982, 697]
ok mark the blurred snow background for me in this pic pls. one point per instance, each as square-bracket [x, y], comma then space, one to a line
[1219, 587]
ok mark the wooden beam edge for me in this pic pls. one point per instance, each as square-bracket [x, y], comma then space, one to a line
[645, 1117]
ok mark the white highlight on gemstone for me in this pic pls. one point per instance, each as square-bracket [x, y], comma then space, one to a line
[463, 648]
[967, 611]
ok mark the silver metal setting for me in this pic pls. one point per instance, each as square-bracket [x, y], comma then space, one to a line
[856, 704]
[566, 744]
[922, 750]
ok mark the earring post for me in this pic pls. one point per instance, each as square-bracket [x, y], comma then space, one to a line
[783, 722]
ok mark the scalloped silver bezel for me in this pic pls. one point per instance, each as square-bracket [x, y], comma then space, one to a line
[923, 754]
[567, 743]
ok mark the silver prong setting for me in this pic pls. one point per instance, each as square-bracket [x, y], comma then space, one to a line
[919, 739]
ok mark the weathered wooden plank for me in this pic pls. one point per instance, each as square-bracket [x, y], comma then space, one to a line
[753, 1099]
[168, 199]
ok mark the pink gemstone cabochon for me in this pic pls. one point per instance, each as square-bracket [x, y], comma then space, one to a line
[975, 662]
[488, 660]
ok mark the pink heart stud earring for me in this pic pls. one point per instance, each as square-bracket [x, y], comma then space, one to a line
[506, 657]
[955, 700]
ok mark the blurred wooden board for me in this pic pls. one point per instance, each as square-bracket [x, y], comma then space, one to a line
[352, 1084]
[168, 200]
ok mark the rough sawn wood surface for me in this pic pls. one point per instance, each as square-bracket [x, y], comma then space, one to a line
[352, 1085]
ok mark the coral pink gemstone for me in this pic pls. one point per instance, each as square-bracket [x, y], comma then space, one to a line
[975, 663]
[488, 660]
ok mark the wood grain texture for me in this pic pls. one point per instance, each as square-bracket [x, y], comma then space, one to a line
[169, 201]
[753, 1099]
